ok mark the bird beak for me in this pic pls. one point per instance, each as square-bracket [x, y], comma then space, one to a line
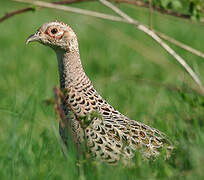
[32, 38]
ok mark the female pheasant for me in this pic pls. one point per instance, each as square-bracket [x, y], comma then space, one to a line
[109, 135]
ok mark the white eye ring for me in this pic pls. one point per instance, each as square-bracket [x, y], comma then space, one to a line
[59, 33]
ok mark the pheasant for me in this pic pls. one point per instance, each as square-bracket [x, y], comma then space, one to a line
[109, 135]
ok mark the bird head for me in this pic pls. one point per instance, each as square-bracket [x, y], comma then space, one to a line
[56, 35]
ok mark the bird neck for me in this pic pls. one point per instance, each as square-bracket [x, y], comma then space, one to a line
[70, 67]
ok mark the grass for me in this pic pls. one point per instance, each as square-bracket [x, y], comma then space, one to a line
[115, 56]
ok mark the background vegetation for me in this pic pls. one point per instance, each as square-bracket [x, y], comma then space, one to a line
[194, 8]
[126, 67]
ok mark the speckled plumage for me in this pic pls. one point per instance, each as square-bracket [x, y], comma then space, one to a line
[109, 135]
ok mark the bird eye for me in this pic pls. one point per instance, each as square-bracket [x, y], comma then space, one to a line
[54, 31]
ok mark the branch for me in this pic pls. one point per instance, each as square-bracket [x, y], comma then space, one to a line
[141, 3]
[59, 98]
[63, 119]
[155, 37]
[136, 3]
[70, 1]
[13, 13]
[74, 10]
[21, 11]
[150, 14]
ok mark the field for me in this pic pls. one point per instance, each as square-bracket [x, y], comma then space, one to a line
[128, 69]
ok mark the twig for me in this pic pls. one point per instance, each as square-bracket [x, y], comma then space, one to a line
[141, 3]
[157, 39]
[58, 109]
[72, 9]
[150, 14]
[137, 3]
[63, 120]
[13, 13]
[70, 1]
[60, 97]
[20, 11]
